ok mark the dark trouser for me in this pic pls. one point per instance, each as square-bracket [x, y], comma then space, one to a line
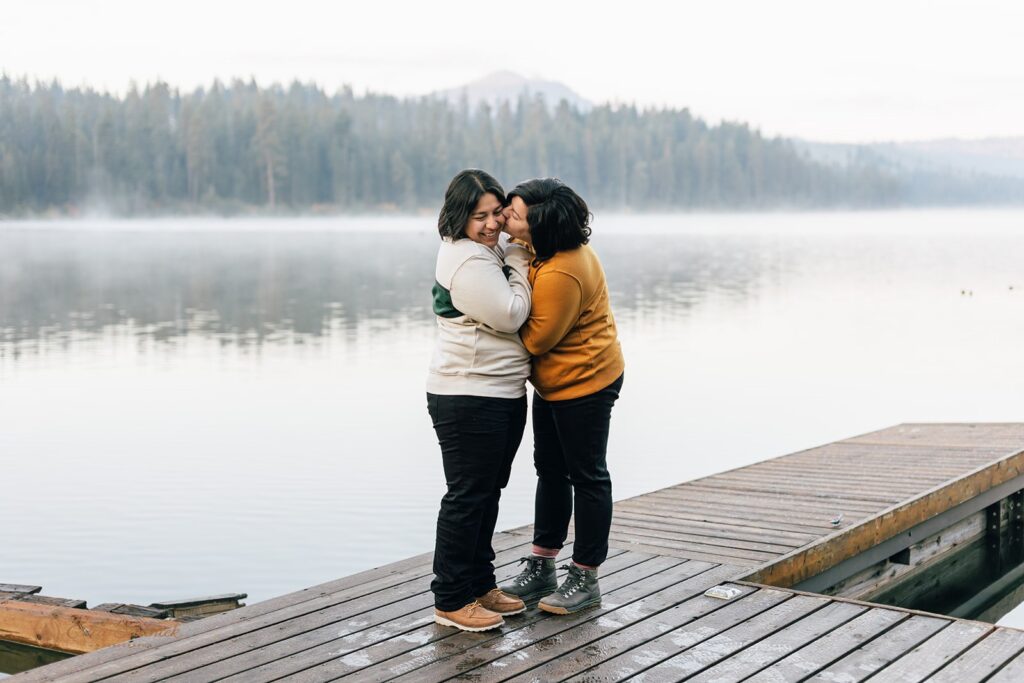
[570, 442]
[479, 437]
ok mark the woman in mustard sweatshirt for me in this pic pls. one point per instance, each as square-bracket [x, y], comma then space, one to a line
[577, 372]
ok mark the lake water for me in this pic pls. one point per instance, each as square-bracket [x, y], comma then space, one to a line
[192, 407]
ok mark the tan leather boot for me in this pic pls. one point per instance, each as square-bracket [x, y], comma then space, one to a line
[472, 617]
[501, 602]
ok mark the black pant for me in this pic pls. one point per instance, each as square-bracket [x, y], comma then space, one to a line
[570, 443]
[479, 437]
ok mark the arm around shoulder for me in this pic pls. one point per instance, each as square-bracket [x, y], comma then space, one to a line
[481, 291]
[518, 258]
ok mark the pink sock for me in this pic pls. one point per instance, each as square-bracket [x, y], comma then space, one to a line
[583, 566]
[546, 553]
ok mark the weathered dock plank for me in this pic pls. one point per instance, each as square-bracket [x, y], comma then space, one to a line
[983, 658]
[206, 632]
[868, 660]
[931, 655]
[807, 503]
[723, 537]
[1012, 672]
[719, 528]
[780, 644]
[35, 599]
[946, 435]
[815, 656]
[630, 636]
[765, 519]
[347, 627]
[448, 645]
[718, 516]
[724, 643]
[328, 634]
[626, 535]
[359, 640]
[409, 650]
[522, 662]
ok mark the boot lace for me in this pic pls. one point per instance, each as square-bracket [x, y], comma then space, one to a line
[573, 582]
[534, 566]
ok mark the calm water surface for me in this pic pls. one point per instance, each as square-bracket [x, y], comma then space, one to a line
[209, 406]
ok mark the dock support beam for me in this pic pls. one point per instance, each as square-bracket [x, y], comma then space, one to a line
[993, 536]
[1016, 503]
[880, 552]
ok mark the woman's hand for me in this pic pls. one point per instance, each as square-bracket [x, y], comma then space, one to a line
[521, 243]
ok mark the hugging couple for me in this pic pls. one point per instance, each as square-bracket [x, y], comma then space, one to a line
[519, 294]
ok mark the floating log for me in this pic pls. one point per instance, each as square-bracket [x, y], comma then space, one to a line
[74, 630]
[66, 625]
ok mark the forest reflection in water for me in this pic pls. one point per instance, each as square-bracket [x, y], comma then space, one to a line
[266, 288]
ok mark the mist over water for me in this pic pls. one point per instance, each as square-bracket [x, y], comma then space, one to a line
[199, 407]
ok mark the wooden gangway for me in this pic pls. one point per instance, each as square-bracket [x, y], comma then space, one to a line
[786, 522]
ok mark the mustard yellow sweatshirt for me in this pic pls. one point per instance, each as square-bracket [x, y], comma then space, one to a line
[571, 331]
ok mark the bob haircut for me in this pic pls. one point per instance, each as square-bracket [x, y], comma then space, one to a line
[461, 197]
[559, 219]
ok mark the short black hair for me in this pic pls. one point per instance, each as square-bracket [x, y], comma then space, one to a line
[559, 219]
[461, 197]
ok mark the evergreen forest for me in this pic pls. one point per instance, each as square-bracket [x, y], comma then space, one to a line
[239, 147]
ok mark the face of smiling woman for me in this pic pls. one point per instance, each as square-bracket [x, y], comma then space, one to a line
[486, 221]
[516, 224]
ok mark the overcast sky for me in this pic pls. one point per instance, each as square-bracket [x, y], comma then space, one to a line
[820, 69]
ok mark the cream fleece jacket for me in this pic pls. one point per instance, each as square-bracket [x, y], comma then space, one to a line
[479, 313]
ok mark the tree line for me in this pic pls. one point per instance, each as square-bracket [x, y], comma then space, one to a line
[240, 147]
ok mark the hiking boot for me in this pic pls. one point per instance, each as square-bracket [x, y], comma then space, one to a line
[502, 603]
[535, 581]
[472, 617]
[578, 591]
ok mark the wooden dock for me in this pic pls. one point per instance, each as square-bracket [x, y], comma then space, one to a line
[865, 511]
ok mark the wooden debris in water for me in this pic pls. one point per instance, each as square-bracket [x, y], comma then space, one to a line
[201, 607]
[132, 610]
[67, 625]
[74, 630]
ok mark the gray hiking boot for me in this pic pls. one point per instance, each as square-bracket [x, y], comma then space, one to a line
[578, 591]
[535, 581]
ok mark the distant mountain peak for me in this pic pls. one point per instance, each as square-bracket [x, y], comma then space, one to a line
[501, 77]
[506, 86]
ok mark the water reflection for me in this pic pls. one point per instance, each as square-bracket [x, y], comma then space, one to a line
[238, 288]
[16, 658]
[61, 287]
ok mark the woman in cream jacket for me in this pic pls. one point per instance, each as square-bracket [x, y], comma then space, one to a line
[476, 394]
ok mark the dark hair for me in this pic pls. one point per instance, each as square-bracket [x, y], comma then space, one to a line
[462, 196]
[559, 219]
